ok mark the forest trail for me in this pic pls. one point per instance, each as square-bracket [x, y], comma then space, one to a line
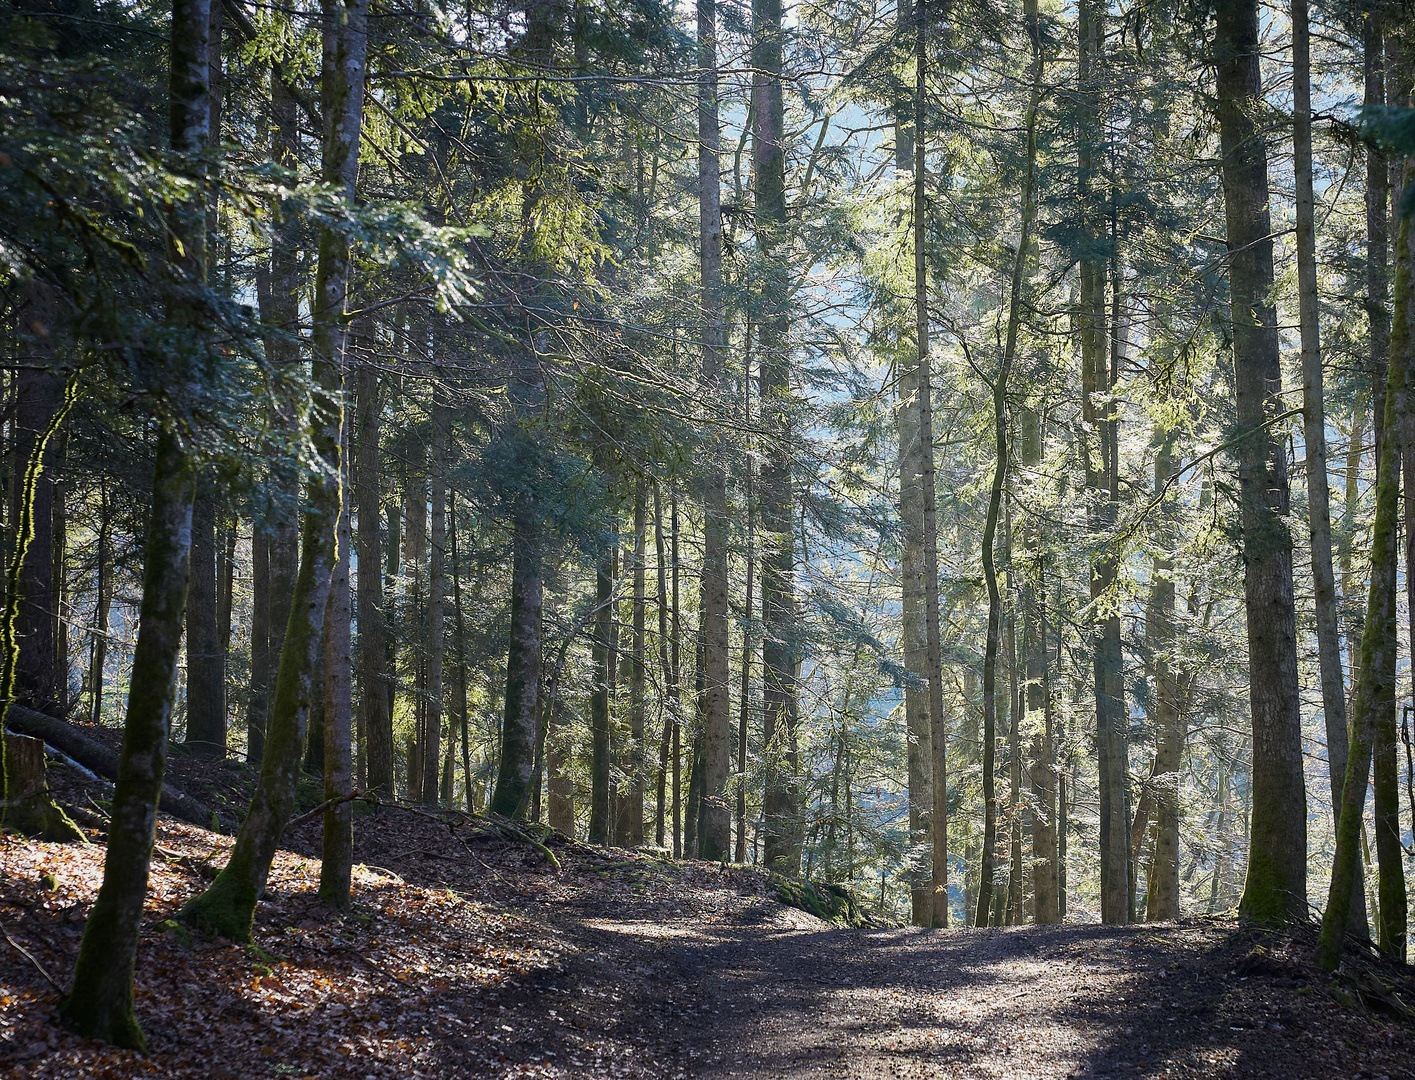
[470, 952]
[810, 1003]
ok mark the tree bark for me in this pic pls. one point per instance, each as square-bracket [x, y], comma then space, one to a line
[377, 720]
[436, 586]
[1313, 401]
[629, 820]
[206, 668]
[1101, 482]
[933, 642]
[337, 838]
[38, 391]
[103, 604]
[780, 648]
[715, 839]
[1167, 694]
[1276, 885]
[602, 695]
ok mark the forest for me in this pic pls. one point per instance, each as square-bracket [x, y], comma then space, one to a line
[954, 457]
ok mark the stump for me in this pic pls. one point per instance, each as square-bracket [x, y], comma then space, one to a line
[28, 807]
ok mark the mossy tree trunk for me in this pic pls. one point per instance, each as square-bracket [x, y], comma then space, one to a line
[1374, 705]
[1276, 884]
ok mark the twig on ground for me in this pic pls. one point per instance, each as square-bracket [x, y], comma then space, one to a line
[30, 957]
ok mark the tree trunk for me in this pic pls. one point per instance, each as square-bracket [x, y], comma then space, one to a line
[38, 391]
[1276, 885]
[377, 721]
[602, 695]
[914, 637]
[523, 662]
[100, 1003]
[629, 820]
[228, 905]
[668, 701]
[739, 855]
[280, 313]
[58, 573]
[337, 841]
[676, 683]
[432, 745]
[1101, 478]
[206, 668]
[715, 840]
[1166, 689]
[780, 648]
[103, 588]
[1374, 705]
[1313, 402]
[933, 641]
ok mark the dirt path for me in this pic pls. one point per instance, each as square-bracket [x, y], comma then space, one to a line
[792, 1000]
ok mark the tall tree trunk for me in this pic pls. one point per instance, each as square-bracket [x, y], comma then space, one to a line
[1101, 478]
[602, 694]
[100, 1002]
[228, 904]
[744, 704]
[676, 682]
[58, 573]
[1313, 402]
[1162, 895]
[668, 699]
[337, 840]
[103, 589]
[436, 586]
[276, 562]
[933, 641]
[526, 393]
[999, 479]
[462, 720]
[206, 670]
[1374, 706]
[1276, 885]
[629, 820]
[780, 648]
[911, 514]
[987, 874]
[38, 391]
[376, 719]
[1390, 855]
[715, 839]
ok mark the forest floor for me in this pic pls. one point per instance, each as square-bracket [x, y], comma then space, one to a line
[467, 953]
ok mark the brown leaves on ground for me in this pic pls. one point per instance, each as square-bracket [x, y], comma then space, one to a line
[436, 969]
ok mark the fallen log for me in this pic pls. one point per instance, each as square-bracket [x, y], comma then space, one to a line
[92, 754]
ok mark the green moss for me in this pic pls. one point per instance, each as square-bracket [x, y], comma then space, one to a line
[226, 908]
[826, 901]
[42, 819]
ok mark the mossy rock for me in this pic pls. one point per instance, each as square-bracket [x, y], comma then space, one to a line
[825, 900]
